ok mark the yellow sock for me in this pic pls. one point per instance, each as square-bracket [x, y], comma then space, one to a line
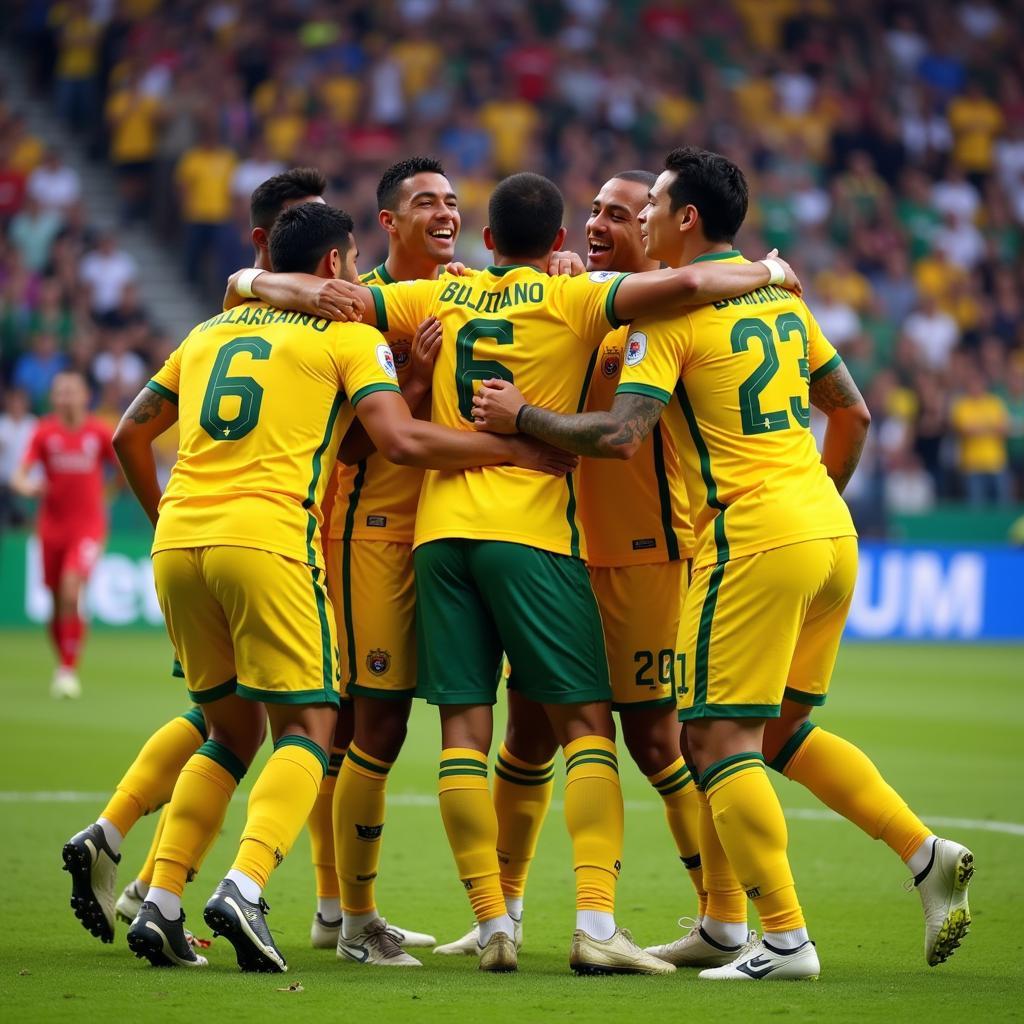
[359, 822]
[676, 788]
[522, 795]
[198, 804]
[146, 871]
[750, 824]
[321, 830]
[279, 805]
[472, 828]
[593, 813]
[726, 900]
[845, 779]
[149, 781]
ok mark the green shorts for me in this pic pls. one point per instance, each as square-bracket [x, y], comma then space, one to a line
[478, 598]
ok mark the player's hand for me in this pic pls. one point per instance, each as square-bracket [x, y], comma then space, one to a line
[496, 406]
[566, 262]
[456, 268]
[426, 343]
[334, 300]
[792, 282]
[529, 453]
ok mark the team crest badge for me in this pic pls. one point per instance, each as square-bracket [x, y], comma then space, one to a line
[402, 352]
[386, 360]
[612, 362]
[636, 348]
[378, 662]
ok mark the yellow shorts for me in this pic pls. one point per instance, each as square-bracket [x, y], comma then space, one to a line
[640, 608]
[764, 627]
[372, 587]
[249, 622]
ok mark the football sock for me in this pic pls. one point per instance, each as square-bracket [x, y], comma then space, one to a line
[502, 923]
[792, 939]
[111, 833]
[920, 860]
[195, 813]
[150, 780]
[167, 902]
[597, 924]
[145, 875]
[279, 805]
[750, 824]
[845, 779]
[730, 934]
[472, 829]
[514, 906]
[676, 788]
[359, 821]
[70, 632]
[250, 889]
[522, 795]
[594, 816]
[321, 839]
[726, 900]
[353, 924]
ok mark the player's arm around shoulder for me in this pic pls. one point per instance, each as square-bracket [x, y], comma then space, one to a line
[323, 297]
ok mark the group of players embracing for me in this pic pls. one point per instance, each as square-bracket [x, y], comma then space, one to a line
[379, 495]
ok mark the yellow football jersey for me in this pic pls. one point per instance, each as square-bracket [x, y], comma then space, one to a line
[516, 323]
[375, 499]
[740, 371]
[634, 512]
[264, 397]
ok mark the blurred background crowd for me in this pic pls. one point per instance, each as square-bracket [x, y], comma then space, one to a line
[884, 143]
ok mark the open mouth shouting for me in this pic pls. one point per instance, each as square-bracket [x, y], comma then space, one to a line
[598, 251]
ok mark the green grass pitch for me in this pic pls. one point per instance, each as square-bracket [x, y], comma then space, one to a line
[944, 724]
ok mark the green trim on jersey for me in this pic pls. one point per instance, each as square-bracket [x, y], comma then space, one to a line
[570, 507]
[641, 705]
[647, 390]
[721, 542]
[214, 693]
[664, 494]
[381, 273]
[703, 651]
[814, 700]
[346, 568]
[369, 389]
[316, 696]
[327, 653]
[826, 368]
[501, 271]
[609, 303]
[729, 711]
[708, 256]
[162, 391]
[380, 307]
[318, 455]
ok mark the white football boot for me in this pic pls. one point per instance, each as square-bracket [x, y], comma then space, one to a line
[761, 962]
[942, 887]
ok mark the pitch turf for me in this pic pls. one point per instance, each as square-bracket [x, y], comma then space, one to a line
[944, 723]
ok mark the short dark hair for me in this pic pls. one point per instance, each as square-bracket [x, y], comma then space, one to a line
[714, 185]
[303, 234]
[647, 178]
[268, 199]
[390, 184]
[524, 215]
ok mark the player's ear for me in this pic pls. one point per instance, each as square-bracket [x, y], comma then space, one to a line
[689, 219]
[334, 263]
[559, 239]
[387, 220]
[260, 238]
[488, 239]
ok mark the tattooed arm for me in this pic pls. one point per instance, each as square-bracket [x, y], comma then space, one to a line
[149, 415]
[617, 434]
[837, 396]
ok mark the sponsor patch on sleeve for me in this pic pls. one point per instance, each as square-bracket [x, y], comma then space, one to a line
[600, 276]
[387, 360]
[636, 348]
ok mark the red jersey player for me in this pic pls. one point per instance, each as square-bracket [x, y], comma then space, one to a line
[73, 449]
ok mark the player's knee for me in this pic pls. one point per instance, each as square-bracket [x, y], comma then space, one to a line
[383, 735]
[652, 739]
[573, 721]
[528, 734]
[778, 731]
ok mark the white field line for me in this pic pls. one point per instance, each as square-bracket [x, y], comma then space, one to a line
[70, 796]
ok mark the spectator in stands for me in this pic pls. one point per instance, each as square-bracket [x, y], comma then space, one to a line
[982, 425]
[35, 369]
[1013, 396]
[203, 177]
[933, 333]
[79, 36]
[54, 185]
[106, 272]
[133, 118]
[32, 231]
[16, 426]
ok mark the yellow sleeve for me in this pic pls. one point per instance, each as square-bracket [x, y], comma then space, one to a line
[365, 362]
[403, 306]
[822, 358]
[166, 380]
[656, 351]
[587, 304]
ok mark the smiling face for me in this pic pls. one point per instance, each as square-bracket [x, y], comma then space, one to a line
[658, 225]
[427, 218]
[614, 240]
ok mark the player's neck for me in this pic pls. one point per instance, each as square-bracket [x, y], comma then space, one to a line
[704, 250]
[70, 422]
[402, 265]
[262, 260]
[541, 263]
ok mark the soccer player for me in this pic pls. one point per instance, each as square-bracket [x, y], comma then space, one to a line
[262, 396]
[639, 542]
[498, 552]
[92, 855]
[774, 569]
[73, 448]
[370, 581]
